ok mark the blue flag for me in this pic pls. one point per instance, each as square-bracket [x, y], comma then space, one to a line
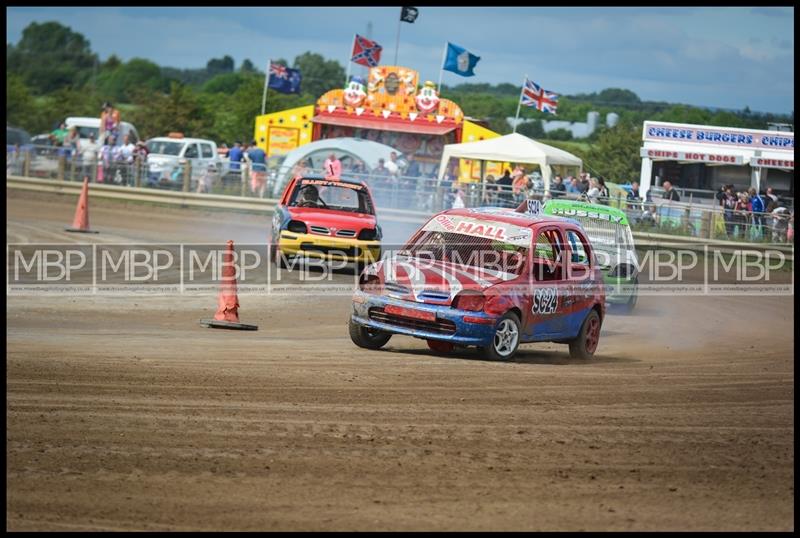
[283, 79]
[460, 61]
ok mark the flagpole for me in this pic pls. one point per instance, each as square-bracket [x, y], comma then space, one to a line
[349, 62]
[519, 103]
[397, 45]
[441, 68]
[266, 88]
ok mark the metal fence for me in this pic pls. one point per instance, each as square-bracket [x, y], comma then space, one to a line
[693, 217]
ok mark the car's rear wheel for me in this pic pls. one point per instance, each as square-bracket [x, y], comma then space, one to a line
[631, 304]
[505, 340]
[585, 344]
[366, 337]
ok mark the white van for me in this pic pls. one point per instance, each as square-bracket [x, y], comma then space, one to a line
[87, 126]
[167, 155]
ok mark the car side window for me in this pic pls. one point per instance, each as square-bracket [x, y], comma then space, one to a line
[208, 152]
[546, 266]
[576, 245]
[191, 152]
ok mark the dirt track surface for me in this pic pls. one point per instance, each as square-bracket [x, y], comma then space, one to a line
[124, 413]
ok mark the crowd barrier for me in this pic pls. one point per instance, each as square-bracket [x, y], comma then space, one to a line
[424, 195]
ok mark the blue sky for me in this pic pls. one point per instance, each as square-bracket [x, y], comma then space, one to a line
[719, 57]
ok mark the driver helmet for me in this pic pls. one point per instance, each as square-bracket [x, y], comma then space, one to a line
[309, 193]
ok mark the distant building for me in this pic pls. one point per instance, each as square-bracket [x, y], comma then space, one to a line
[578, 129]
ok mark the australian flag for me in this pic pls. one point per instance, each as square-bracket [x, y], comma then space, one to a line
[533, 95]
[283, 79]
[366, 52]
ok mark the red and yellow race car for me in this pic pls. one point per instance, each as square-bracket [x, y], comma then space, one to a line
[326, 218]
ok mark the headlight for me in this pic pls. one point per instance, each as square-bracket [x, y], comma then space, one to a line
[370, 284]
[368, 234]
[297, 227]
[471, 301]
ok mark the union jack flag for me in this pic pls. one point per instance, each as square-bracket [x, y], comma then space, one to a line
[366, 52]
[533, 95]
[277, 70]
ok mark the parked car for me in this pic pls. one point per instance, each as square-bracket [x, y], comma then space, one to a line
[89, 125]
[490, 277]
[167, 155]
[326, 218]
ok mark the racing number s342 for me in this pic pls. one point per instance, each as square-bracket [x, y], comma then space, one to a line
[491, 278]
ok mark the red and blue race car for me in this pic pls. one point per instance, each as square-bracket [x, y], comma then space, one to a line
[326, 218]
[489, 277]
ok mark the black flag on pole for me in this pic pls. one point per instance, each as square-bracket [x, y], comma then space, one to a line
[409, 14]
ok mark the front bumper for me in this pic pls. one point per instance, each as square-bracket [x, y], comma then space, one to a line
[329, 248]
[449, 325]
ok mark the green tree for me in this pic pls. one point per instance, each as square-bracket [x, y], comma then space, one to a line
[532, 129]
[119, 83]
[215, 66]
[49, 56]
[226, 83]
[560, 134]
[181, 110]
[615, 155]
[247, 66]
[21, 108]
[319, 75]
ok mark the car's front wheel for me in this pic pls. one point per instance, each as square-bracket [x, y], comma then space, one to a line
[585, 344]
[506, 339]
[366, 337]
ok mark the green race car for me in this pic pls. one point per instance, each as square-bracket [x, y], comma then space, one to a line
[610, 234]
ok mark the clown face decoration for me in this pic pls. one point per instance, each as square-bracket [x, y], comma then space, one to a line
[354, 93]
[427, 99]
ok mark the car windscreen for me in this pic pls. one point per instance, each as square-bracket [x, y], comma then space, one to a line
[605, 235]
[326, 194]
[85, 132]
[473, 243]
[164, 147]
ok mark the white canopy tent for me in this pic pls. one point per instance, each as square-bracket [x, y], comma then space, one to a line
[512, 148]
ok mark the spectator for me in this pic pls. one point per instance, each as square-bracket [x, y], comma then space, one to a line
[504, 188]
[740, 214]
[604, 193]
[393, 165]
[772, 201]
[223, 150]
[670, 193]
[127, 150]
[573, 185]
[140, 158]
[757, 207]
[558, 189]
[109, 122]
[728, 206]
[258, 169]
[207, 178]
[634, 199]
[780, 224]
[106, 160]
[720, 195]
[537, 184]
[489, 191]
[88, 156]
[59, 134]
[593, 193]
[520, 186]
[332, 166]
[235, 157]
[585, 184]
[458, 199]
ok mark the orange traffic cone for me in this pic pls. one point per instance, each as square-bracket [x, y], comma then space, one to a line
[81, 221]
[227, 316]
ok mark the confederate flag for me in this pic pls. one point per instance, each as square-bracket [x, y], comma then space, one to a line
[366, 52]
